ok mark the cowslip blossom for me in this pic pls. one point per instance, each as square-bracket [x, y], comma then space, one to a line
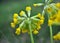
[23, 21]
[57, 36]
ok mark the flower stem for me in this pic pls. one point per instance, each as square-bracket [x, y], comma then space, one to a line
[32, 40]
[51, 36]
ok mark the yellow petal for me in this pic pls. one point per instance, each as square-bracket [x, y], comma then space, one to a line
[59, 12]
[18, 31]
[42, 18]
[28, 8]
[50, 22]
[15, 15]
[39, 27]
[24, 30]
[22, 13]
[41, 21]
[49, 9]
[58, 5]
[15, 20]
[35, 32]
[39, 15]
[55, 37]
[58, 36]
[12, 25]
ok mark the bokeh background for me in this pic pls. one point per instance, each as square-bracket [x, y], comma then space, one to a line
[8, 8]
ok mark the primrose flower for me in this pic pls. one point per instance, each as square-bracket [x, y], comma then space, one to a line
[49, 9]
[57, 36]
[18, 31]
[57, 17]
[15, 20]
[28, 8]
[41, 21]
[24, 30]
[57, 20]
[12, 25]
[58, 12]
[25, 21]
[35, 32]
[22, 13]
[58, 5]
[52, 9]
[15, 15]
[54, 18]
[50, 22]
[38, 27]
[39, 15]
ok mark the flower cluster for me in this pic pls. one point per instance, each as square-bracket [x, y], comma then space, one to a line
[57, 36]
[54, 14]
[24, 20]
[53, 11]
[25, 23]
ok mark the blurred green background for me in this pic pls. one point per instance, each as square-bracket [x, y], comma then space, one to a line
[8, 8]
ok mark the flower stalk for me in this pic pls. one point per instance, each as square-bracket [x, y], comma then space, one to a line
[51, 35]
[32, 40]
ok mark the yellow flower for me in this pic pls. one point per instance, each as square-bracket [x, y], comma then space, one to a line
[49, 9]
[18, 31]
[58, 5]
[59, 12]
[42, 17]
[35, 32]
[15, 20]
[39, 15]
[34, 5]
[41, 22]
[57, 36]
[53, 17]
[38, 27]
[22, 13]
[15, 15]
[50, 22]
[24, 30]
[57, 20]
[58, 17]
[28, 8]
[12, 25]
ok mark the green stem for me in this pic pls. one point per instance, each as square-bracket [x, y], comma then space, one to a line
[32, 40]
[51, 36]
